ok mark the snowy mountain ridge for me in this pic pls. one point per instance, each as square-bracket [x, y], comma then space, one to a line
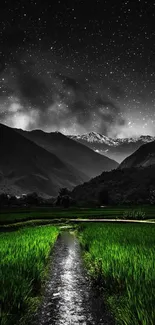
[117, 149]
[100, 138]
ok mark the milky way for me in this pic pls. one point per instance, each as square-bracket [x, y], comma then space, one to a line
[76, 66]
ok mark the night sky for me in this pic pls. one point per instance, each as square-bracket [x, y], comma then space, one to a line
[78, 66]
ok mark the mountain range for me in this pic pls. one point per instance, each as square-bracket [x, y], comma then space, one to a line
[45, 162]
[88, 162]
[117, 149]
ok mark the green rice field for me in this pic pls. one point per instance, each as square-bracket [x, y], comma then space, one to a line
[19, 215]
[24, 255]
[118, 256]
[121, 260]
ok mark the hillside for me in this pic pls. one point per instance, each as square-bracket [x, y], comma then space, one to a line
[144, 156]
[26, 167]
[121, 186]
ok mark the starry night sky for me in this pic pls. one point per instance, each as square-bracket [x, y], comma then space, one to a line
[78, 66]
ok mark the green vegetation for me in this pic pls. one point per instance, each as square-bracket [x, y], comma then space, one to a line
[24, 255]
[120, 259]
[20, 215]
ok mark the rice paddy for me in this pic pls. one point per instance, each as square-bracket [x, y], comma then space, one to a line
[24, 255]
[120, 259]
[15, 215]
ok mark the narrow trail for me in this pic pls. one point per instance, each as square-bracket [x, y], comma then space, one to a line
[69, 298]
[112, 220]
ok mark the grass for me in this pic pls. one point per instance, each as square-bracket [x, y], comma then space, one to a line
[20, 215]
[120, 259]
[24, 255]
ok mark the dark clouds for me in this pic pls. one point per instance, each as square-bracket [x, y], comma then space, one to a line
[57, 101]
[33, 90]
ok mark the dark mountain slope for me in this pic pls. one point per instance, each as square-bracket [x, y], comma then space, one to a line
[129, 186]
[79, 156]
[24, 166]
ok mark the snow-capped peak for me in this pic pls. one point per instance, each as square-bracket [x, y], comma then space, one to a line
[95, 137]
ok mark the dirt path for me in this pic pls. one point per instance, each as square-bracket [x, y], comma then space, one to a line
[69, 298]
[112, 220]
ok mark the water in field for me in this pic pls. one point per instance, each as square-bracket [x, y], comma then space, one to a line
[69, 298]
